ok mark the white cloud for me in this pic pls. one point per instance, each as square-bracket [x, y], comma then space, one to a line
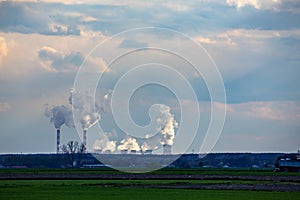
[205, 40]
[4, 106]
[272, 110]
[34, 18]
[54, 61]
[177, 7]
[258, 4]
[250, 37]
[103, 2]
[58, 28]
[3, 49]
[58, 62]
[262, 34]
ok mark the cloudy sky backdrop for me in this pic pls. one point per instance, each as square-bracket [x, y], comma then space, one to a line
[255, 44]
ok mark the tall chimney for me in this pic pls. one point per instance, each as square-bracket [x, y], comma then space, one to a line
[85, 139]
[167, 149]
[57, 140]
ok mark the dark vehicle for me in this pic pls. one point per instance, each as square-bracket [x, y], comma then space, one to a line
[288, 163]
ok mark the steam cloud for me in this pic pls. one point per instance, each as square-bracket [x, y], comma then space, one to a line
[106, 142]
[130, 144]
[59, 115]
[84, 105]
[166, 126]
[88, 108]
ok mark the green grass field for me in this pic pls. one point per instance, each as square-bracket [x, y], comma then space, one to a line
[136, 189]
[204, 171]
[114, 189]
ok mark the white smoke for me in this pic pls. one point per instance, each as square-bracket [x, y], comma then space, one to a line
[166, 125]
[104, 145]
[129, 143]
[146, 146]
[89, 107]
[106, 142]
[59, 115]
[168, 132]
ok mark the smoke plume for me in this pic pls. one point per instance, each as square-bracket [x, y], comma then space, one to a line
[104, 144]
[129, 143]
[59, 115]
[88, 108]
[168, 132]
[166, 126]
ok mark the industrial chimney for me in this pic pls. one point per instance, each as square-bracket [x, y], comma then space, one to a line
[57, 140]
[85, 140]
[167, 149]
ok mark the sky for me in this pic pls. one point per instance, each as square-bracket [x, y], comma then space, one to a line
[254, 44]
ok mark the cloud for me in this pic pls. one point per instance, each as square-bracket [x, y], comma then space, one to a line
[54, 61]
[256, 50]
[58, 62]
[271, 110]
[262, 34]
[177, 7]
[258, 4]
[292, 6]
[3, 49]
[4, 106]
[130, 43]
[33, 18]
[234, 37]
[92, 2]
[60, 29]
[205, 40]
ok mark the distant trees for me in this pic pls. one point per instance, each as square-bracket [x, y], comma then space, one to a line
[74, 151]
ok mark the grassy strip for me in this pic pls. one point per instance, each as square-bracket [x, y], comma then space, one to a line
[117, 183]
[200, 171]
[89, 189]
[122, 183]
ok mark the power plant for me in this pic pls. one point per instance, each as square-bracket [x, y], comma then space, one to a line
[88, 117]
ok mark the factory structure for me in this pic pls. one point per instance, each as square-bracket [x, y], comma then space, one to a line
[166, 150]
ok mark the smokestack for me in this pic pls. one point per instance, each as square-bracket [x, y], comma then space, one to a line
[85, 139]
[167, 149]
[57, 140]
